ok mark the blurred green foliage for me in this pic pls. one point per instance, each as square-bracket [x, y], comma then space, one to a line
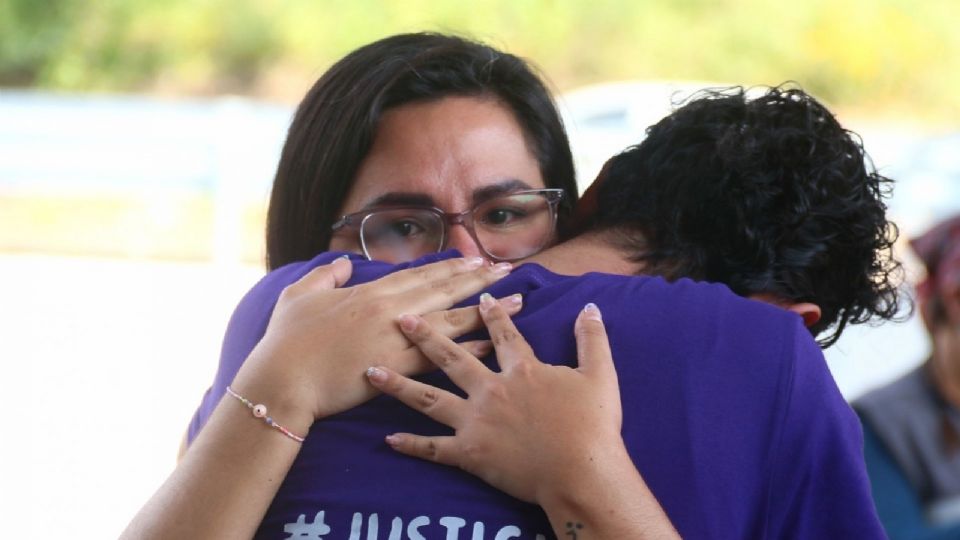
[899, 56]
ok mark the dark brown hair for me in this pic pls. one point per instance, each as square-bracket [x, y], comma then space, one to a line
[336, 122]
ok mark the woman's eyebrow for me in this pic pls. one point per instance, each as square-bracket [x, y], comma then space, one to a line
[486, 193]
[479, 195]
[400, 198]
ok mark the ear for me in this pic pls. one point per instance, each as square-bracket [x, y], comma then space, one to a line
[808, 311]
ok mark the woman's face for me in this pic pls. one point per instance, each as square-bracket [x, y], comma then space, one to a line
[453, 154]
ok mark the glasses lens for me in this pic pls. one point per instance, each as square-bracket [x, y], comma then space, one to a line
[401, 235]
[514, 226]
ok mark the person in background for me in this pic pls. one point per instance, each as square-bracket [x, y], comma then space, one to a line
[912, 425]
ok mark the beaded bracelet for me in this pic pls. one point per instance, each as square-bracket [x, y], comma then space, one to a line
[260, 411]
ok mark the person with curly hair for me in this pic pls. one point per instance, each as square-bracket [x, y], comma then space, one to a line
[769, 196]
[721, 406]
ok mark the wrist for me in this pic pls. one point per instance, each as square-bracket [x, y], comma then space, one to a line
[586, 477]
[605, 497]
[287, 398]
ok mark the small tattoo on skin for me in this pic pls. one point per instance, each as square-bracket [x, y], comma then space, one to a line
[572, 529]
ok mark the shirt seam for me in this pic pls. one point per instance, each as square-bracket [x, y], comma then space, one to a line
[780, 426]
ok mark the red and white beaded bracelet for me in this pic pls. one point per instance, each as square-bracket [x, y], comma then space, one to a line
[260, 411]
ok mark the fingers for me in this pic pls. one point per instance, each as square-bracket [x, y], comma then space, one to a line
[511, 347]
[480, 348]
[405, 280]
[454, 323]
[438, 404]
[593, 346]
[328, 276]
[463, 368]
[443, 293]
[437, 449]
[412, 361]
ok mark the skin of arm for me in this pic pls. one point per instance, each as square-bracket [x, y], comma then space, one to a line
[226, 480]
[520, 431]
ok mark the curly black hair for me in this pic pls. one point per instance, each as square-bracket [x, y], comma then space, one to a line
[766, 194]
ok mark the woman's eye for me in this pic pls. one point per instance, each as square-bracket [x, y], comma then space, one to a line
[405, 228]
[501, 216]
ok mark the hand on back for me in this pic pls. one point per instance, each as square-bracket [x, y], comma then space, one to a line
[533, 430]
[321, 337]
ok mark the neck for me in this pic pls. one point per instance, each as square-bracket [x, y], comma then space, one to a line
[588, 252]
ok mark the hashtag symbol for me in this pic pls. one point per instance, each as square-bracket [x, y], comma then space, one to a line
[302, 530]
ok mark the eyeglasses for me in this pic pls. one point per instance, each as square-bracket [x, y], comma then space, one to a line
[505, 228]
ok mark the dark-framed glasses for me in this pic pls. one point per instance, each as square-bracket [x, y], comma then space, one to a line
[506, 228]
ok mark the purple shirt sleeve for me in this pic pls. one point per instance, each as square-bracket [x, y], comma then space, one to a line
[819, 488]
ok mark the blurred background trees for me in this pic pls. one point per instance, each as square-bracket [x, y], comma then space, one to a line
[890, 57]
[132, 223]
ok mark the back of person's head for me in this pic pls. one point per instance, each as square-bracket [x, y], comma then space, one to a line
[939, 291]
[335, 125]
[767, 194]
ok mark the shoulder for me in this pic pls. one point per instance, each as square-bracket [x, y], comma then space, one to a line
[681, 296]
[699, 337]
[262, 297]
[819, 486]
[709, 316]
[273, 283]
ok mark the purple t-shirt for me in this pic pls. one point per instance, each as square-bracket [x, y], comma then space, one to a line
[729, 413]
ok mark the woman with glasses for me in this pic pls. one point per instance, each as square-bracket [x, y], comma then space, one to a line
[422, 121]
[408, 146]
[415, 144]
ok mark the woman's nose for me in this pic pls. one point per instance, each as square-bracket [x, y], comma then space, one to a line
[461, 240]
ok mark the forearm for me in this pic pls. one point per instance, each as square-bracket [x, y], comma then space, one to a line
[225, 482]
[607, 499]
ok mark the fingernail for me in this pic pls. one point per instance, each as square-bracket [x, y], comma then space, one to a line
[592, 311]
[501, 268]
[393, 440]
[513, 300]
[376, 374]
[474, 262]
[486, 301]
[345, 256]
[408, 323]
